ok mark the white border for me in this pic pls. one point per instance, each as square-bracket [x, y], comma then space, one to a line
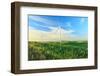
[25, 64]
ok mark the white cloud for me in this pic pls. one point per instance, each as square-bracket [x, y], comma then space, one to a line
[82, 20]
[42, 20]
[55, 35]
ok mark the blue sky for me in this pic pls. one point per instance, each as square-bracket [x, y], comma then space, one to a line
[79, 25]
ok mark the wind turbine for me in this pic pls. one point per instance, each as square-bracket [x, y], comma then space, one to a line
[59, 28]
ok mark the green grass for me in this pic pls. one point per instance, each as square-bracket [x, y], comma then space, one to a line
[56, 50]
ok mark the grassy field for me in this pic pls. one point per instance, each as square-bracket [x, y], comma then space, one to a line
[56, 50]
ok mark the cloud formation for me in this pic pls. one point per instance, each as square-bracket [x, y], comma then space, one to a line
[57, 28]
[54, 35]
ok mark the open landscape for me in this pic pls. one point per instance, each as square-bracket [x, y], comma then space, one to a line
[57, 37]
[57, 50]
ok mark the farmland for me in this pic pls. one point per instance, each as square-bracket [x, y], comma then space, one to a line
[57, 50]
